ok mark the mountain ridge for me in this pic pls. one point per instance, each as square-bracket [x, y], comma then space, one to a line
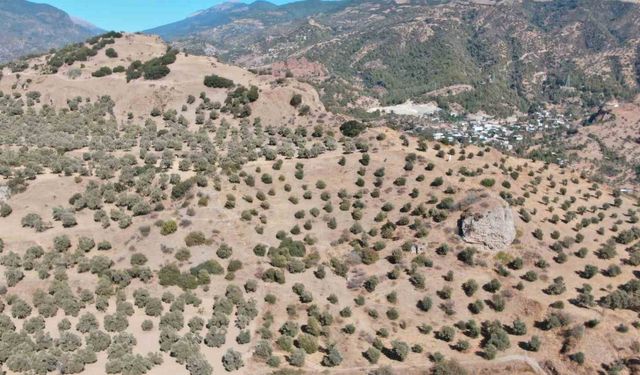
[514, 54]
[35, 28]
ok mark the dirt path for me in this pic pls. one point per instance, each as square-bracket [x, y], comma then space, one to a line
[529, 361]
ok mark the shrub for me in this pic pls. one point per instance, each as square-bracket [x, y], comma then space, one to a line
[13, 276]
[425, 304]
[215, 81]
[446, 333]
[61, 243]
[297, 358]
[449, 367]
[34, 221]
[102, 72]
[232, 360]
[196, 365]
[296, 100]
[5, 210]
[86, 244]
[308, 343]
[352, 128]
[87, 323]
[153, 71]
[115, 323]
[372, 355]
[263, 350]
[224, 251]
[534, 344]
[110, 52]
[333, 357]
[211, 266]
[168, 227]
[98, 340]
[196, 238]
[488, 182]
[153, 307]
[399, 350]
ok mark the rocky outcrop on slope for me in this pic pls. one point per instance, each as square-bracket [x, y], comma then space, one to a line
[5, 193]
[487, 220]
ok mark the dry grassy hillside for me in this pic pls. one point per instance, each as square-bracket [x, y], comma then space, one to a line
[609, 147]
[141, 96]
[197, 239]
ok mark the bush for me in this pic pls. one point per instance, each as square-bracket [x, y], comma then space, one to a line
[211, 266]
[488, 182]
[308, 343]
[296, 100]
[86, 244]
[34, 221]
[110, 52]
[153, 307]
[198, 366]
[168, 227]
[116, 322]
[425, 304]
[155, 71]
[224, 251]
[352, 128]
[215, 81]
[446, 333]
[297, 358]
[5, 210]
[333, 357]
[87, 323]
[450, 367]
[372, 355]
[232, 360]
[102, 72]
[399, 350]
[98, 340]
[196, 238]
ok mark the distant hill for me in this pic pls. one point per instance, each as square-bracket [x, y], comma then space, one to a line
[229, 12]
[512, 54]
[33, 28]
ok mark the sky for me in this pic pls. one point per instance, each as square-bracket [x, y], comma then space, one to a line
[131, 15]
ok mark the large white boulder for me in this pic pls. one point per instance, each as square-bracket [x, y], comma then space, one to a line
[488, 221]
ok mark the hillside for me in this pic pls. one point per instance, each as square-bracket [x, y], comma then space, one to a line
[30, 28]
[608, 147]
[513, 54]
[157, 221]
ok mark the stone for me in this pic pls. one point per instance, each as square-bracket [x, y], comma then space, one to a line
[487, 221]
[5, 193]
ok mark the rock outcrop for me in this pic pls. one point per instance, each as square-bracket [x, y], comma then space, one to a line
[488, 221]
[5, 193]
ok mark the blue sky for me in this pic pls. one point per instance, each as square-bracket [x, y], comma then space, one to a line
[131, 15]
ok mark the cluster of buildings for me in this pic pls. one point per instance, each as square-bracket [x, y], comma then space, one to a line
[504, 134]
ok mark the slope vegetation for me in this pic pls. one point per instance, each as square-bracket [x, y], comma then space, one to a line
[165, 226]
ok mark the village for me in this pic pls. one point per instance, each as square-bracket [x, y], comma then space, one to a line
[506, 135]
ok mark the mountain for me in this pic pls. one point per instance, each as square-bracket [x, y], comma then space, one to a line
[30, 28]
[87, 25]
[509, 55]
[260, 11]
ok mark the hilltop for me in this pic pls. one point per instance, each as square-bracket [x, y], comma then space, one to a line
[168, 213]
[138, 97]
